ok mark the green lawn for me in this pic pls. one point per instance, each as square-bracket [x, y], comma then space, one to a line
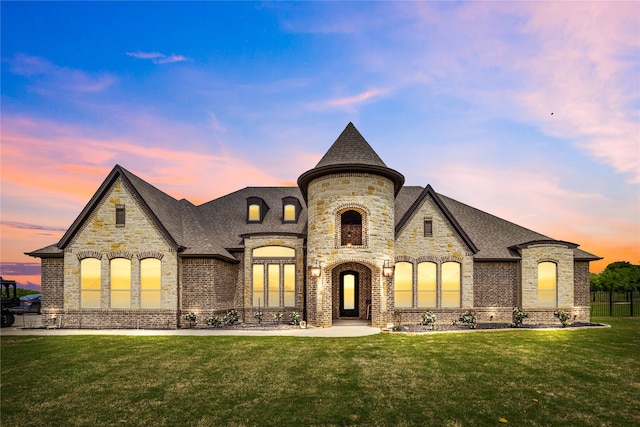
[530, 378]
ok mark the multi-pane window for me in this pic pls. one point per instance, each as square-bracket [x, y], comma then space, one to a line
[90, 283]
[150, 283]
[120, 283]
[403, 284]
[547, 284]
[423, 290]
[273, 277]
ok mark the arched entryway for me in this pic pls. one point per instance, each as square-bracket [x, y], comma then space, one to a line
[351, 286]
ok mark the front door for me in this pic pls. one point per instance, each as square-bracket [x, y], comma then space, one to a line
[349, 294]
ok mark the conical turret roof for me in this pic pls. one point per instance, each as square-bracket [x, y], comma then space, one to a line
[350, 153]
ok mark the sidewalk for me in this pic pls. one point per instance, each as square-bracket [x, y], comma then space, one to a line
[345, 328]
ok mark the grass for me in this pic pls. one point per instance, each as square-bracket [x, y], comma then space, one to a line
[530, 378]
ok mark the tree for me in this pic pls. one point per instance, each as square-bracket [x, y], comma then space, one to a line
[617, 276]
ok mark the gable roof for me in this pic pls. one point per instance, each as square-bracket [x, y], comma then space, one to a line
[350, 153]
[429, 193]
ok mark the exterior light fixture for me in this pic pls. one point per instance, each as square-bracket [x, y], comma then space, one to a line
[315, 270]
[387, 269]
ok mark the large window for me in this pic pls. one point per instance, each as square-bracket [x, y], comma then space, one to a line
[403, 284]
[120, 283]
[450, 284]
[547, 284]
[427, 284]
[150, 283]
[423, 289]
[273, 277]
[90, 283]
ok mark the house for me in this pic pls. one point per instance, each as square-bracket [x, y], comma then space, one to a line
[350, 241]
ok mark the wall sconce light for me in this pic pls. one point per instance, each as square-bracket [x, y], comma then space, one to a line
[387, 269]
[315, 270]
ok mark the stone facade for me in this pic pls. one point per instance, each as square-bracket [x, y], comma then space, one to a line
[328, 197]
[101, 238]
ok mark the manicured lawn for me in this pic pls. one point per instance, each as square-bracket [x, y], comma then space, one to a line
[530, 378]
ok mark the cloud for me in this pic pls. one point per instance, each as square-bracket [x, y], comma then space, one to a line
[157, 57]
[25, 226]
[349, 102]
[19, 268]
[47, 78]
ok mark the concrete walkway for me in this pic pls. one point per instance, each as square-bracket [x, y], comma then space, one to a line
[341, 328]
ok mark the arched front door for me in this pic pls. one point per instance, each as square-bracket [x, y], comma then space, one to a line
[349, 290]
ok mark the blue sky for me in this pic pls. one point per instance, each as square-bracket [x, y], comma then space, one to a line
[205, 98]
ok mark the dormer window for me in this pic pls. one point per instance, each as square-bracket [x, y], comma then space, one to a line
[291, 208]
[256, 210]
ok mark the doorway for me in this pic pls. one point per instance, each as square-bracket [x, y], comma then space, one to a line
[349, 290]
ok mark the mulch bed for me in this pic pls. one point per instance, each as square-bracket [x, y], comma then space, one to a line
[490, 326]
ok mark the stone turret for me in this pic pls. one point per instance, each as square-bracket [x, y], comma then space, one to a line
[350, 201]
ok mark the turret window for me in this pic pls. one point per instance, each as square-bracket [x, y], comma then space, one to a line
[351, 228]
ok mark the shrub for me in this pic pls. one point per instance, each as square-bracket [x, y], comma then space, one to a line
[215, 321]
[258, 315]
[563, 316]
[518, 317]
[469, 318]
[231, 317]
[295, 317]
[191, 318]
[429, 318]
[278, 316]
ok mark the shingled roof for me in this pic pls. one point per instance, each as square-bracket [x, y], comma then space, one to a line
[218, 228]
[350, 153]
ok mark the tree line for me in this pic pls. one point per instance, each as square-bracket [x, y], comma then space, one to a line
[618, 276]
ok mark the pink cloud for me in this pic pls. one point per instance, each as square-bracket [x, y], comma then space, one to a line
[349, 102]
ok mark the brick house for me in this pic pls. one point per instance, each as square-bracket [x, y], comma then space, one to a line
[350, 241]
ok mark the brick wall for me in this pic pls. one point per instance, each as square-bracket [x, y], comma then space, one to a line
[495, 284]
[208, 286]
[52, 288]
[581, 287]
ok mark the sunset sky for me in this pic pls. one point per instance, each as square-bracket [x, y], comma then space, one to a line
[527, 110]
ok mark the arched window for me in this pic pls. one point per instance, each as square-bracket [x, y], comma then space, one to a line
[403, 284]
[351, 228]
[427, 279]
[120, 283]
[547, 284]
[150, 283]
[90, 283]
[273, 276]
[450, 284]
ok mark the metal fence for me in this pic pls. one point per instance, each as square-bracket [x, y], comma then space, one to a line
[620, 304]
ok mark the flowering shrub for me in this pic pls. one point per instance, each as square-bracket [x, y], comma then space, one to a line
[295, 317]
[518, 317]
[563, 316]
[231, 318]
[429, 318]
[258, 316]
[469, 319]
[215, 321]
[278, 316]
[191, 318]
